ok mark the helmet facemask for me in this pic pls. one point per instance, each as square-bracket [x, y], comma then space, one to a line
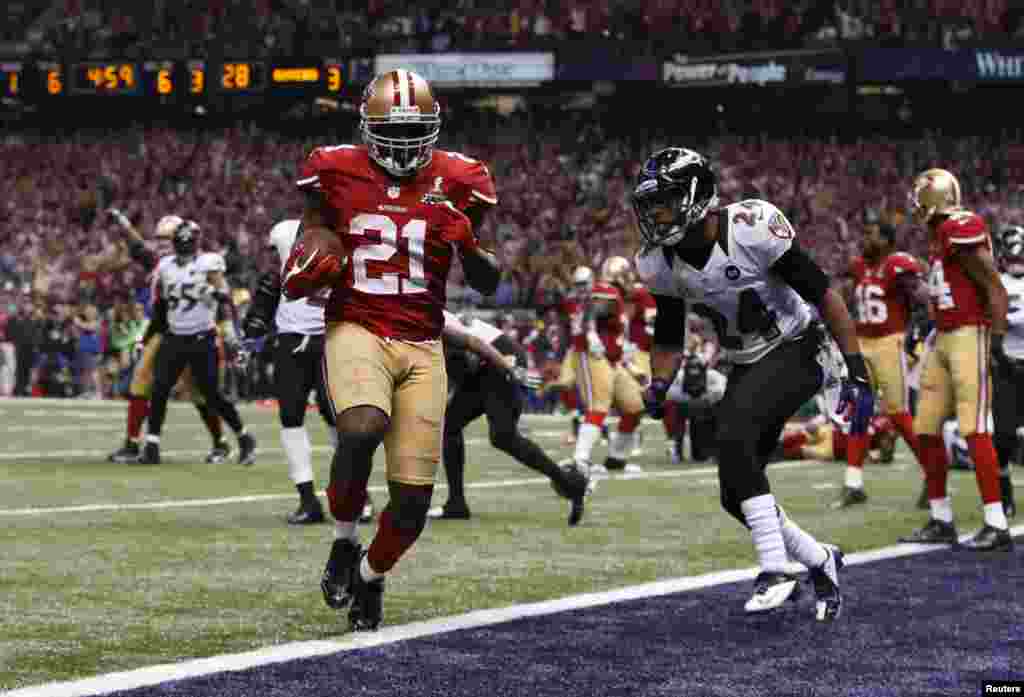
[401, 142]
[687, 202]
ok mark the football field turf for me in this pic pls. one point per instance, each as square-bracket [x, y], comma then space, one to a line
[114, 567]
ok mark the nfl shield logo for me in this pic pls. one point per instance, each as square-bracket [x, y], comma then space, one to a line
[394, 192]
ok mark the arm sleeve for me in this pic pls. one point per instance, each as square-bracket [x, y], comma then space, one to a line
[802, 274]
[670, 323]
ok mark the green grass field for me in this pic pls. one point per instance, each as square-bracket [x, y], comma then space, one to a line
[112, 567]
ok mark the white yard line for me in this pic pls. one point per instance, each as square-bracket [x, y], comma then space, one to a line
[153, 675]
[230, 501]
[252, 498]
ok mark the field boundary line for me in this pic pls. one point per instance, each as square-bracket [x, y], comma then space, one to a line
[154, 675]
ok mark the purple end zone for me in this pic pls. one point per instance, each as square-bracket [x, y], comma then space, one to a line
[931, 624]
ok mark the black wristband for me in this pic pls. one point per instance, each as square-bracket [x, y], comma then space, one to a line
[857, 367]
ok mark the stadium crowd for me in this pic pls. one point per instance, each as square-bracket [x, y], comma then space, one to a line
[289, 27]
[70, 297]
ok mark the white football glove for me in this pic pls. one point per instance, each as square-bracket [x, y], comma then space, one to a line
[595, 347]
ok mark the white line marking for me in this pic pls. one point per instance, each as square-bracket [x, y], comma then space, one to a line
[153, 675]
[498, 484]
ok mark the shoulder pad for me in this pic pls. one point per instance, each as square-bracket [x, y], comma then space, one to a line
[329, 158]
[473, 177]
[901, 262]
[964, 227]
[211, 261]
[655, 271]
[762, 229]
[605, 291]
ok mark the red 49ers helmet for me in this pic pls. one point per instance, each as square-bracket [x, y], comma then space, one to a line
[400, 122]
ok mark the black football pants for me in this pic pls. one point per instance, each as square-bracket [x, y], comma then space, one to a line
[198, 352]
[1007, 403]
[758, 401]
[298, 368]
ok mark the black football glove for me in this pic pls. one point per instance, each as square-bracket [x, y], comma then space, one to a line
[856, 398]
[254, 326]
[654, 397]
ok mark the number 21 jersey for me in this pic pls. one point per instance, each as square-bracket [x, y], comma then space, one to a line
[394, 283]
[752, 309]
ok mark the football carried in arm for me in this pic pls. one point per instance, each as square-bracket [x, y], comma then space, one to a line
[317, 260]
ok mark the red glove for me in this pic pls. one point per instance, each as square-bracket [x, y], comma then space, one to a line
[309, 270]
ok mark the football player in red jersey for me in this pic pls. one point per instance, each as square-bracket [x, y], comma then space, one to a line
[626, 392]
[402, 211]
[596, 326]
[887, 285]
[969, 304]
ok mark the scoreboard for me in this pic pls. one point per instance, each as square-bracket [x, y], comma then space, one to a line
[46, 80]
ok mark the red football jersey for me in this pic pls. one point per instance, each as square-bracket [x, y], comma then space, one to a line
[394, 284]
[641, 324]
[955, 299]
[881, 307]
[573, 309]
[611, 328]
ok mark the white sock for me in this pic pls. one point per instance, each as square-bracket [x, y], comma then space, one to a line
[622, 445]
[346, 530]
[299, 453]
[366, 571]
[800, 545]
[995, 516]
[763, 519]
[332, 435]
[150, 438]
[855, 477]
[942, 509]
[586, 439]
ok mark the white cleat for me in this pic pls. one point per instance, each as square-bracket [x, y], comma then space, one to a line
[771, 590]
[598, 471]
[631, 468]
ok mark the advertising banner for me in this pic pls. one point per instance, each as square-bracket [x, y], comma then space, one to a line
[967, 65]
[783, 68]
[612, 64]
[474, 69]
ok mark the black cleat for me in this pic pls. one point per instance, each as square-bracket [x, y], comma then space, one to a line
[1006, 494]
[990, 539]
[614, 464]
[150, 454]
[219, 453]
[336, 582]
[450, 511]
[129, 452]
[306, 515]
[849, 497]
[825, 579]
[367, 602]
[572, 486]
[934, 533]
[246, 449]
[922, 499]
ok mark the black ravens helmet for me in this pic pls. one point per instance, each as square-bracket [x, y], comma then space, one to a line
[678, 179]
[186, 239]
[1010, 249]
